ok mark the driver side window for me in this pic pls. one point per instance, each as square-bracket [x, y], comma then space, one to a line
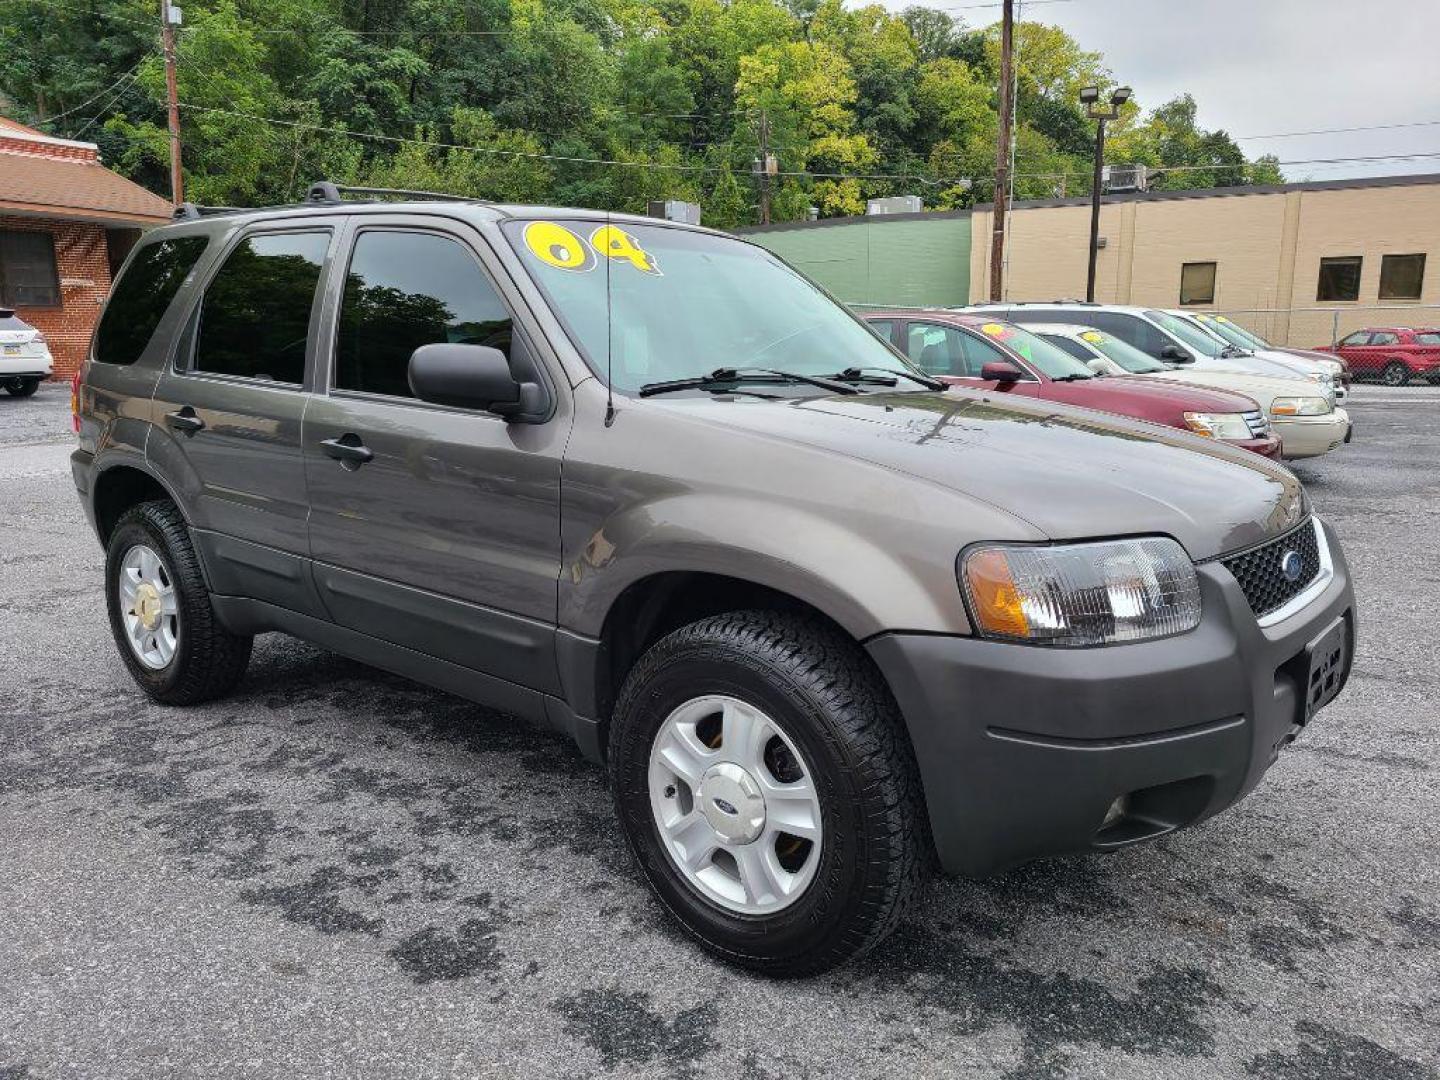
[255, 315]
[1360, 337]
[939, 350]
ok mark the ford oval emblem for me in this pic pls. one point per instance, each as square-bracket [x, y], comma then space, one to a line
[726, 806]
[1292, 566]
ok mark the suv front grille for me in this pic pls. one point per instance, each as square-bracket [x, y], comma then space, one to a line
[1261, 572]
[1258, 424]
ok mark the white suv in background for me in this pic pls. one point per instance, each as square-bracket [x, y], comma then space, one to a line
[1307, 367]
[1175, 340]
[1307, 423]
[24, 357]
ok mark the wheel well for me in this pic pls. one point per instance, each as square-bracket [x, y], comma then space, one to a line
[649, 609]
[118, 489]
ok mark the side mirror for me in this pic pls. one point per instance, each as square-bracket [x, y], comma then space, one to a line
[1175, 354]
[999, 371]
[471, 377]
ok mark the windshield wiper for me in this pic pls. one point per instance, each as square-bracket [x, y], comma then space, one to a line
[857, 374]
[1077, 377]
[723, 377]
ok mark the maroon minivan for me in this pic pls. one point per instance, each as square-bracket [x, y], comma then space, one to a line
[972, 350]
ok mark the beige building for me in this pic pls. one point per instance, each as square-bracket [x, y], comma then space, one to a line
[1295, 262]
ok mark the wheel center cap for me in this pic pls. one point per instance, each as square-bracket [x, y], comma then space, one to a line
[147, 605]
[732, 803]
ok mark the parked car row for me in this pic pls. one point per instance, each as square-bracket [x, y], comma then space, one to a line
[827, 619]
[1273, 405]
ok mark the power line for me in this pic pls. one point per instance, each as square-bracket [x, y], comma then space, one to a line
[70, 9]
[97, 97]
[1340, 131]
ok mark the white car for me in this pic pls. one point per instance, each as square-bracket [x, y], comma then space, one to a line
[24, 357]
[1226, 332]
[1174, 340]
[1308, 422]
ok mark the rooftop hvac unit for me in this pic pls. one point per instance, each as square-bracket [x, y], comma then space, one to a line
[687, 213]
[1121, 178]
[896, 204]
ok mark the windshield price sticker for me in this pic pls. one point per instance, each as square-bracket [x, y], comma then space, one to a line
[994, 329]
[555, 245]
[1093, 336]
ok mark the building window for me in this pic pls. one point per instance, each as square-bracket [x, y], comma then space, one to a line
[1339, 278]
[27, 270]
[1197, 283]
[1401, 276]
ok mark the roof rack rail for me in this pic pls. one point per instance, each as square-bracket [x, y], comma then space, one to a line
[330, 194]
[189, 211]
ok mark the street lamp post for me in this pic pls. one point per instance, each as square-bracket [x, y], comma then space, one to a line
[1090, 98]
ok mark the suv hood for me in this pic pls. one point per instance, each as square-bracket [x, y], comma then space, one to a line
[1070, 473]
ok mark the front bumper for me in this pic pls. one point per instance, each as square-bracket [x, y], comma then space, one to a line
[1311, 436]
[1023, 749]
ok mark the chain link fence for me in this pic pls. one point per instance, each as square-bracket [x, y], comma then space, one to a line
[1307, 327]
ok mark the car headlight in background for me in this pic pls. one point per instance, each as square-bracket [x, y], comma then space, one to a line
[1081, 594]
[1301, 406]
[1219, 425]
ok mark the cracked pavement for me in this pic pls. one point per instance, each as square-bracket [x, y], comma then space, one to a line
[340, 873]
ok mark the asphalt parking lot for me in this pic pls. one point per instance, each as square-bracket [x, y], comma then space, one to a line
[339, 873]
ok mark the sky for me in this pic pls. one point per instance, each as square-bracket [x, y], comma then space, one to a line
[1265, 67]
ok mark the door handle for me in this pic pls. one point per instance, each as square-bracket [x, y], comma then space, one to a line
[348, 450]
[185, 421]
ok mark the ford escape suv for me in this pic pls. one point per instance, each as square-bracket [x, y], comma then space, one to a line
[643, 484]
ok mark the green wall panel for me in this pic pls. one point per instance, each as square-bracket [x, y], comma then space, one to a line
[903, 261]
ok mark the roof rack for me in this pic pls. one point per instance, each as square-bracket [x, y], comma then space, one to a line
[189, 211]
[328, 193]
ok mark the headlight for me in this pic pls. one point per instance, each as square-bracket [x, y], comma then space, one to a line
[1082, 594]
[1218, 425]
[1301, 406]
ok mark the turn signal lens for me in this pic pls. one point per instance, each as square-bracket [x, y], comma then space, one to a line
[1082, 594]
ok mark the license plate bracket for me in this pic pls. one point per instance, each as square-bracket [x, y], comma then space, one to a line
[1325, 666]
[12, 350]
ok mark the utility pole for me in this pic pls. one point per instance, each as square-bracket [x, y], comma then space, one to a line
[1002, 151]
[765, 167]
[169, 19]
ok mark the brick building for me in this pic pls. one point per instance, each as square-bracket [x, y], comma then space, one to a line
[66, 223]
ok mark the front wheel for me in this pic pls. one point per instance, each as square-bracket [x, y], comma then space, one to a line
[1395, 374]
[22, 387]
[160, 611]
[765, 784]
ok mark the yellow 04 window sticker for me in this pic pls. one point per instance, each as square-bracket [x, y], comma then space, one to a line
[1093, 336]
[561, 247]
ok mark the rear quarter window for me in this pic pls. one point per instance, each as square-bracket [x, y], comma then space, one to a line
[139, 299]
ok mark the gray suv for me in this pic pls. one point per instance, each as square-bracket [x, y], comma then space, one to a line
[644, 485]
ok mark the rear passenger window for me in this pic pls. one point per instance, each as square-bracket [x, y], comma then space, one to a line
[405, 290]
[255, 318]
[141, 296]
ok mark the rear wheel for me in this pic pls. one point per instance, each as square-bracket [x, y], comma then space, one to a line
[766, 787]
[1395, 374]
[160, 612]
[22, 387]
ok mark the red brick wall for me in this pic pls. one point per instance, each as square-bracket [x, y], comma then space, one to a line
[83, 264]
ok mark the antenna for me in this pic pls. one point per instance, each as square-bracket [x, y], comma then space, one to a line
[609, 331]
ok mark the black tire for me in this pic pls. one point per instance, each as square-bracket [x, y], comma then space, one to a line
[822, 688]
[22, 387]
[1395, 374]
[209, 660]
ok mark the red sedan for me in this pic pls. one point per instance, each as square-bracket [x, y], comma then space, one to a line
[1392, 354]
[971, 350]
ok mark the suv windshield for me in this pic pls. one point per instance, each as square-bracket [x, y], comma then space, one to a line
[1123, 353]
[1231, 332]
[668, 303]
[1188, 332]
[1048, 359]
